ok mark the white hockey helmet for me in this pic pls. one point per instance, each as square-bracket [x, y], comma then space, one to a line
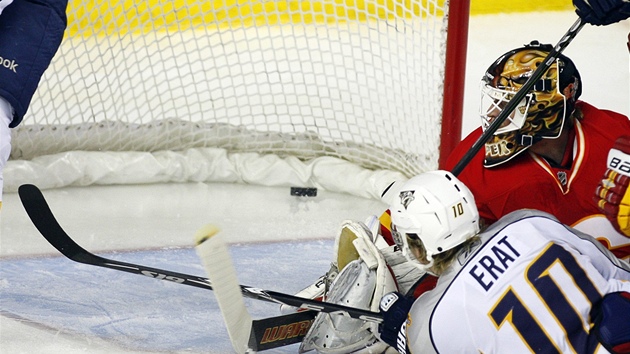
[436, 208]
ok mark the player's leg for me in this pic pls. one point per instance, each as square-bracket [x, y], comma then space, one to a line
[6, 114]
[30, 34]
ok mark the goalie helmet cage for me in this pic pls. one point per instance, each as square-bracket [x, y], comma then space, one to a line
[159, 91]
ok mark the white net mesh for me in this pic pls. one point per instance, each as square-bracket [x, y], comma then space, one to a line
[356, 80]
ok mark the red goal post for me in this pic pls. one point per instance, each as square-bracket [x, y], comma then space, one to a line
[454, 78]
[175, 91]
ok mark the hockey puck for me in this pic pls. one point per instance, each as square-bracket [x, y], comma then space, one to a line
[303, 192]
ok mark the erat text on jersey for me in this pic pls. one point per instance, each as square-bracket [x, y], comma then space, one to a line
[496, 260]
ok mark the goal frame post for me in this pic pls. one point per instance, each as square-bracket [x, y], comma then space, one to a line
[454, 78]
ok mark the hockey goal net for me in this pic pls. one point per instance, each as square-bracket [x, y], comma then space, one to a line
[145, 91]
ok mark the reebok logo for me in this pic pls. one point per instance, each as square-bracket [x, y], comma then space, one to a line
[9, 64]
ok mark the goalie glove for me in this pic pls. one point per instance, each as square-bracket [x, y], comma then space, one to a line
[612, 195]
[602, 12]
[395, 308]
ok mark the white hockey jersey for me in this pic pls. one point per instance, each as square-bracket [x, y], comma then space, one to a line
[528, 286]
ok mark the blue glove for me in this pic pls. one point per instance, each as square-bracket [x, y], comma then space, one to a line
[393, 330]
[612, 322]
[602, 12]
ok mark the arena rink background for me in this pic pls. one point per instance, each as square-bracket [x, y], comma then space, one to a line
[110, 17]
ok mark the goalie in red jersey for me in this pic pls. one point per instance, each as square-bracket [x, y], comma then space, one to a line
[552, 152]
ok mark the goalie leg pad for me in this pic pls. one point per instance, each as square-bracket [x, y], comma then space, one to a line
[372, 256]
[344, 247]
[361, 283]
[316, 291]
[406, 274]
[335, 333]
[351, 239]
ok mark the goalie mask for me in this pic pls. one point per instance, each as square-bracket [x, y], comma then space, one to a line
[436, 209]
[541, 114]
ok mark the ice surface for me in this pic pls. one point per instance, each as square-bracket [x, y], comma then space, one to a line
[279, 242]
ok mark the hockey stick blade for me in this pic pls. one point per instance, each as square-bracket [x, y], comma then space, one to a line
[44, 220]
[519, 95]
[42, 217]
[215, 257]
[246, 334]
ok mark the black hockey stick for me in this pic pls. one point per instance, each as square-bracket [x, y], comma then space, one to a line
[42, 217]
[511, 105]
